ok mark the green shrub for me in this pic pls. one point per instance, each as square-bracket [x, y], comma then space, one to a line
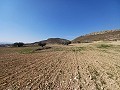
[26, 51]
[78, 49]
[104, 46]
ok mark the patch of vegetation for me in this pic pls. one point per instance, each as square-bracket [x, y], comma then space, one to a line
[26, 51]
[78, 49]
[58, 49]
[104, 46]
[104, 50]
[43, 48]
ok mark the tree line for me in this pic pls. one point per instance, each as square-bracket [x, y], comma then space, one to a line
[42, 44]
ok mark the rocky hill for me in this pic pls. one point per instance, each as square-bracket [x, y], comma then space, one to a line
[109, 35]
[54, 41]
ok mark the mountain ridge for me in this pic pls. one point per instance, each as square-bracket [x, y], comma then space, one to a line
[106, 35]
[54, 41]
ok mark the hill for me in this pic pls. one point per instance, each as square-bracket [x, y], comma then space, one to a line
[54, 41]
[109, 35]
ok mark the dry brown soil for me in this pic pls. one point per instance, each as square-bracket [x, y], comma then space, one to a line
[74, 67]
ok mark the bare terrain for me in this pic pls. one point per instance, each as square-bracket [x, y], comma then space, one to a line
[108, 35]
[90, 66]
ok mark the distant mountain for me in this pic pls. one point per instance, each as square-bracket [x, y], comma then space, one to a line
[6, 43]
[108, 35]
[55, 41]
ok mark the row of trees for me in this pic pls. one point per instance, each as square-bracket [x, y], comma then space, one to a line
[42, 44]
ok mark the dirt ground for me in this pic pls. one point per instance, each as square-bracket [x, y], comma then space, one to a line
[92, 66]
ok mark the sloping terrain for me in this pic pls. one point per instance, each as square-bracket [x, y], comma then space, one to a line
[86, 67]
[111, 35]
[55, 41]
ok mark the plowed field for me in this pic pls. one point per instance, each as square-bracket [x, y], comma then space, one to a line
[86, 67]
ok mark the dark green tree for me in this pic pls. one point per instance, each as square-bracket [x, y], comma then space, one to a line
[18, 44]
[66, 42]
[42, 44]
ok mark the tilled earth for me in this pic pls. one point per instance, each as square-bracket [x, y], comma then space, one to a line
[75, 68]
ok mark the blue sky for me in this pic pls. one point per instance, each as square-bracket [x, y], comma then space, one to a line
[35, 20]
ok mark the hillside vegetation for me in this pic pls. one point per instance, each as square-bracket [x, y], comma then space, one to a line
[54, 41]
[110, 35]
